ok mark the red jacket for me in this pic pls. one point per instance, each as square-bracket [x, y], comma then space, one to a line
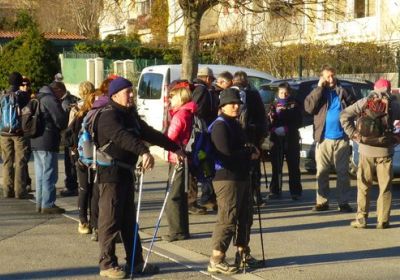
[180, 127]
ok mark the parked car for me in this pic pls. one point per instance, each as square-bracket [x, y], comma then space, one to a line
[152, 100]
[301, 88]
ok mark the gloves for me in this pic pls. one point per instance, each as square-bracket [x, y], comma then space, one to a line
[280, 131]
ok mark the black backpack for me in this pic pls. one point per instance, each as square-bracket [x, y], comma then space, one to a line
[31, 118]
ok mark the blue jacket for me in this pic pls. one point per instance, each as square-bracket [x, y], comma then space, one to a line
[53, 120]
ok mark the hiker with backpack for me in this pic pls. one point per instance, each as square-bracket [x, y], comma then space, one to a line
[233, 160]
[182, 113]
[45, 146]
[121, 134]
[14, 145]
[285, 121]
[369, 122]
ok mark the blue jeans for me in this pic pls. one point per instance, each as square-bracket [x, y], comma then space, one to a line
[46, 169]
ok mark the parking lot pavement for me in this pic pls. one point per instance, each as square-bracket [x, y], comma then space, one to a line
[299, 244]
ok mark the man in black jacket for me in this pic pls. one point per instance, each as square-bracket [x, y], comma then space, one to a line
[120, 126]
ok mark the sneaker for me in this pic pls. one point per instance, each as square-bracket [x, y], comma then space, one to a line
[222, 267]
[197, 210]
[53, 210]
[247, 262]
[176, 237]
[25, 195]
[84, 228]
[345, 208]
[95, 235]
[274, 196]
[113, 273]
[383, 225]
[359, 223]
[321, 207]
[68, 192]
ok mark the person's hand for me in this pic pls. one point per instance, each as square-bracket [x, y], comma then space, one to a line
[179, 155]
[356, 137]
[280, 131]
[147, 161]
[321, 82]
[255, 154]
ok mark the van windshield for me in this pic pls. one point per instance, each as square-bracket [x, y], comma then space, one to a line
[150, 86]
[256, 82]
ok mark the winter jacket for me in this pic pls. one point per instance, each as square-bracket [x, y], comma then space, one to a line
[229, 140]
[285, 114]
[122, 128]
[207, 101]
[316, 104]
[180, 127]
[348, 118]
[53, 119]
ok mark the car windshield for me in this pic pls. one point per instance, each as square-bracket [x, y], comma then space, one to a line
[150, 86]
[256, 82]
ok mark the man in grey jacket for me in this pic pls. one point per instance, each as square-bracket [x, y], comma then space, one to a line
[375, 152]
[326, 102]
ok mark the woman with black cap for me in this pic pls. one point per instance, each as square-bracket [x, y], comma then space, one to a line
[231, 184]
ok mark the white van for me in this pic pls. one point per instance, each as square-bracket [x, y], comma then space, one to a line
[152, 99]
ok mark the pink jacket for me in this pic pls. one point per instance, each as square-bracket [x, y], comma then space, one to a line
[180, 127]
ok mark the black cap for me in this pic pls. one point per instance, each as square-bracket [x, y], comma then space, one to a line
[229, 96]
[15, 79]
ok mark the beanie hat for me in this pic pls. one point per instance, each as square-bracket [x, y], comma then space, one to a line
[229, 96]
[382, 85]
[15, 79]
[118, 84]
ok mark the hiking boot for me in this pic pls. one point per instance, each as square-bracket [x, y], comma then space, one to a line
[29, 188]
[175, 237]
[84, 228]
[359, 223]
[274, 196]
[345, 208]
[53, 210]
[95, 235]
[25, 195]
[68, 192]
[383, 225]
[222, 267]
[210, 205]
[150, 269]
[247, 261]
[197, 210]
[321, 207]
[113, 273]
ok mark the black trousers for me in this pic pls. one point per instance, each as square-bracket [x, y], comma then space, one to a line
[71, 182]
[117, 214]
[88, 195]
[285, 148]
[177, 204]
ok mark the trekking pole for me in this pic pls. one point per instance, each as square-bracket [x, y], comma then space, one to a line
[136, 228]
[280, 162]
[260, 228]
[169, 185]
[265, 172]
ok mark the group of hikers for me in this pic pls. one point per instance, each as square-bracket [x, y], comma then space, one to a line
[235, 123]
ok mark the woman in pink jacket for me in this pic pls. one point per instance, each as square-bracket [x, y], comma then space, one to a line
[180, 128]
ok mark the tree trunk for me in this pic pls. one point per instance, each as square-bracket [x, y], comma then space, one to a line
[190, 49]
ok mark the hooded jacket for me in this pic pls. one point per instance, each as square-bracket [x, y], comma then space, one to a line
[180, 127]
[53, 120]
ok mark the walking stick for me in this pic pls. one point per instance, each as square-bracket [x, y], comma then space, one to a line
[169, 185]
[136, 229]
[260, 226]
[265, 172]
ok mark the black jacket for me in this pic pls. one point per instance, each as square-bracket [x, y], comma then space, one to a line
[127, 132]
[53, 119]
[207, 101]
[229, 141]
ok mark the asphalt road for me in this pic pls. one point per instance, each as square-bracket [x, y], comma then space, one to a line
[299, 244]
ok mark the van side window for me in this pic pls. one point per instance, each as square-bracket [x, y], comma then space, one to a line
[150, 86]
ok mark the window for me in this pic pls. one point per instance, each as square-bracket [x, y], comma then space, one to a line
[150, 86]
[364, 8]
[143, 7]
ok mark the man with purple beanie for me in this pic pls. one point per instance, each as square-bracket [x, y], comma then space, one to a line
[121, 129]
[369, 122]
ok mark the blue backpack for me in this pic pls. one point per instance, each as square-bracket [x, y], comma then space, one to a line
[10, 122]
[203, 155]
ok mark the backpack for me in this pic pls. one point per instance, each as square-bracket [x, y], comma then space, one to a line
[31, 118]
[202, 151]
[10, 122]
[374, 124]
[89, 153]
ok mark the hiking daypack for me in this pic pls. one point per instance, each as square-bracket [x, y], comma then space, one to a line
[10, 122]
[374, 124]
[203, 164]
[31, 118]
[90, 154]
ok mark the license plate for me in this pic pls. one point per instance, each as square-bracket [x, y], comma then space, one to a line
[303, 154]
